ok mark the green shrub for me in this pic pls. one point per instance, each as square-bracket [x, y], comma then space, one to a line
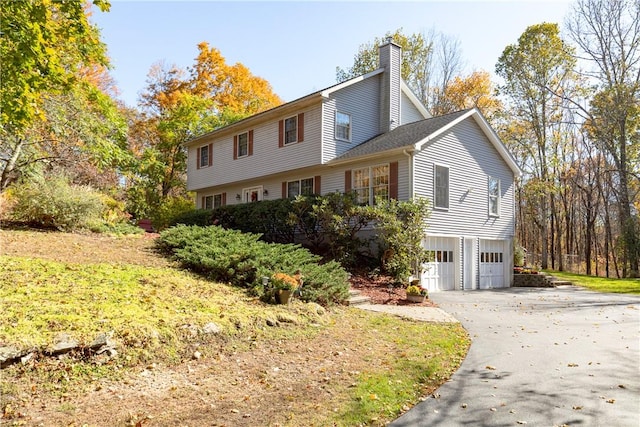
[242, 259]
[170, 209]
[269, 218]
[201, 217]
[55, 203]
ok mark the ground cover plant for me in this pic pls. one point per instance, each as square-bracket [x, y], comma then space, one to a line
[267, 365]
[601, 284]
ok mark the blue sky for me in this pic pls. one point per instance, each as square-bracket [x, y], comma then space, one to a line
[296, 46]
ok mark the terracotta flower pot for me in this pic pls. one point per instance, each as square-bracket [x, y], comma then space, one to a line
[416, 298]
[282, 296]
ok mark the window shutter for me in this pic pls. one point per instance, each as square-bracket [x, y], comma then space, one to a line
[393, 180]
[250, 150]
[300, 127]
[224, 199]
[316, 185]
[198, 158]
[284, 189]
[347, 181]
[281, 133]
[202, 205]
[210, 154]
[235, 147]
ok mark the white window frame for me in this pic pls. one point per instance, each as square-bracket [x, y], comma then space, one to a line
[435, 187]
[293, 131]
[217, 200]
[368, 189]
[203, 163]
[348, 126]
[298, 192]
[493, 199]
[246, 134]
[208, 202]
[249, 191]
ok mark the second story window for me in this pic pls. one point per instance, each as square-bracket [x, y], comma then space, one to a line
[205, 156]
[441, 187]
[291, 130]
[343, 126]
[494, 196]
[243, 144]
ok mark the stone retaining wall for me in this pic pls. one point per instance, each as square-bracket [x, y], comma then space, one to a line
[531, 281]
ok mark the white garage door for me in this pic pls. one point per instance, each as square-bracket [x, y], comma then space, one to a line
[492, 266]
[440, 272]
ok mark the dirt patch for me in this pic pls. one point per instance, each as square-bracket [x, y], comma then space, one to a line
[381, 290]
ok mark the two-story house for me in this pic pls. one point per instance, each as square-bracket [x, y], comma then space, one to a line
[373, 136]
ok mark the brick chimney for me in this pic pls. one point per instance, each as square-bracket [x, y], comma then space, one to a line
[390, 58]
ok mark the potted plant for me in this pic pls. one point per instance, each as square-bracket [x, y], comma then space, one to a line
[416, 293]
[283, 285]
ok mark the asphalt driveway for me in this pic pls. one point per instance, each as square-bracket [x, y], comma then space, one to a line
[540, 357]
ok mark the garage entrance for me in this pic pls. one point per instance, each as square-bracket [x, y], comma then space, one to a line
[492, 264]
[440, 272]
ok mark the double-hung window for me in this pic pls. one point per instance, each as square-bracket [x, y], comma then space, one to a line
[343, 126]
[370, 183]
[494, 196]
[302, 187]
[204, 156]
[212, 202]
[441, 187]
[243, 144]
[291, 130]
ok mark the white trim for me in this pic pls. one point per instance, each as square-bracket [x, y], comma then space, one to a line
[325, 93]
[489, 133]
[199, 155]
[239, 156]
[414, 100]
[441, 208]
[299, 181]
[335, 126]
[246, 191]
[491, 214]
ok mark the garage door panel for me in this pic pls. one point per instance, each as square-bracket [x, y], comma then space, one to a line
[492, 266]
[440, 273]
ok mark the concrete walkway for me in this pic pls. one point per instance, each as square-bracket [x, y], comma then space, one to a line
[539, 357]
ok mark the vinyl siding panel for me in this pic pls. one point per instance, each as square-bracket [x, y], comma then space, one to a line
[471, 159]
[266, 159]
[409, 113]
[361, 101]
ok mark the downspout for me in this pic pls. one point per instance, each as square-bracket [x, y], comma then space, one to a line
[409, 154]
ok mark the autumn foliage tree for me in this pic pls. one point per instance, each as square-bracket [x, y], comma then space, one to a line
[177, 105]
[55, 114]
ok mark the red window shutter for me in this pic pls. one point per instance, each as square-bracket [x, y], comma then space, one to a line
[284, 189]
[224, 199]
[198, 158]
[300, 127]
[250, 151]
[316, 185]
[281, 133]
[347, 181]
[202, 205]
[210, 154]
[393, 180]
[235, 147]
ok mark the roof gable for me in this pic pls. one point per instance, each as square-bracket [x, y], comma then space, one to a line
[414, 136]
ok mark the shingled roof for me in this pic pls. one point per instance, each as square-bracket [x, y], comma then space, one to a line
[403, 136]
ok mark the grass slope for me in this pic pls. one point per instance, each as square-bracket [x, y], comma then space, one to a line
[601, 284]
[340, 367]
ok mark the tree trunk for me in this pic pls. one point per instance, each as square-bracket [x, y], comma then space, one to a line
[9, 173]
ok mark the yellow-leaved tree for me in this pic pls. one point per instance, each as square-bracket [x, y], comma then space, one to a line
[178, 105]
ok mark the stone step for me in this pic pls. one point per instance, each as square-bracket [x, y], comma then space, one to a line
[359, 299]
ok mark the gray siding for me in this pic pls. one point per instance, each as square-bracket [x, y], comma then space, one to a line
[361, 101]
[267, 157]
[409, 112]
[471, 159]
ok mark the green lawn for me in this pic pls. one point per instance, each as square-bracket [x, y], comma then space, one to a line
[601, 284]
